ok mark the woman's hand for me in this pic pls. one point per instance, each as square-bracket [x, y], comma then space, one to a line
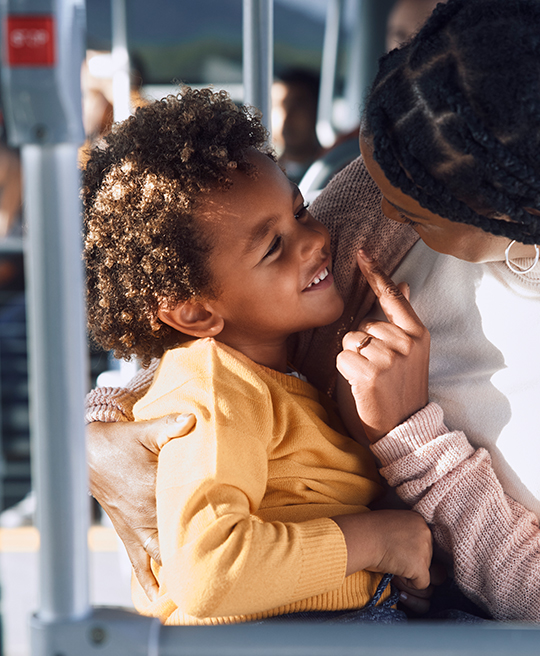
[386, 363]
[122, 460]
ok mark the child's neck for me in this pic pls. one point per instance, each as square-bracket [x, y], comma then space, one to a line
[268, 354]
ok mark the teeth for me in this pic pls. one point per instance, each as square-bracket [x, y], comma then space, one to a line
[319, 278]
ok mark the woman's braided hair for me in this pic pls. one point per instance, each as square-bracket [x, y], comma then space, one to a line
[454, 115]
[141, 193]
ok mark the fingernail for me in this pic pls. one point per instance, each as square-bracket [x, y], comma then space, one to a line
[403, 596]
[365, 256]
[183, 417]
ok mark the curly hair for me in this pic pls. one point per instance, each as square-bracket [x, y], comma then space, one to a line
[141, 191]
[454, 115]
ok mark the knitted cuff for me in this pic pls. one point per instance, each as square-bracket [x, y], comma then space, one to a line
[324, 557]
[109, 404]
[116, 403]
[423, 427]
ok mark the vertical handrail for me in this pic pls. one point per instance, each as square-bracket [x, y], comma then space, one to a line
[258, 56]
[370, 43]
[325, 126]
[43, 54]
[121, 89]
[354, 78]
[57, 375]
[120, 60]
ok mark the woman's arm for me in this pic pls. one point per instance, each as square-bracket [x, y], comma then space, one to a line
[493, 540]
[122, 461]
[108, 404]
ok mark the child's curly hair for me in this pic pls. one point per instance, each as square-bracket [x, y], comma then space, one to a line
[141, 191]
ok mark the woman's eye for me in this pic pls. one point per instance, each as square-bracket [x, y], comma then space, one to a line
[407, 220]
[273, 248]
[302, 211]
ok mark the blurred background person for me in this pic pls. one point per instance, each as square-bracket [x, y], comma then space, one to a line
[295, 95]
[97, 96]
[10, 190]
[405, 19]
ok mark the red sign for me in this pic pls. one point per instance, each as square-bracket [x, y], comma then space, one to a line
[30, 41]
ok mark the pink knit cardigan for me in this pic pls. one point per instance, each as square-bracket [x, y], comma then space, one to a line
[494, 541]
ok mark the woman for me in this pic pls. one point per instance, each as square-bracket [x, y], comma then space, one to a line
[451, 135]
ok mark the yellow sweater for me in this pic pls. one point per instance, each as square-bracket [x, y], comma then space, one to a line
[244, 500]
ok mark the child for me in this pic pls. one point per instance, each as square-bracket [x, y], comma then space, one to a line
[200, 251]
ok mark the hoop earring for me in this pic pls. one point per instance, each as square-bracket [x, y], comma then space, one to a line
[515, 268]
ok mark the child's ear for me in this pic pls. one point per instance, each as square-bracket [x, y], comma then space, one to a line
[194, 318]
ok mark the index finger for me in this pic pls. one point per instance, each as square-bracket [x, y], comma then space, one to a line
[395, 306]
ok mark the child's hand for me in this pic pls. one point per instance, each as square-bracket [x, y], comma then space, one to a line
[419, 601]
[394, 541]
[386, 363]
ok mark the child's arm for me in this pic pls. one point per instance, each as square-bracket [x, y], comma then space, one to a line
[219, 557]
[395, 541]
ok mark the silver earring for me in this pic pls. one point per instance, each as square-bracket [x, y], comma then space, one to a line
[516, 268]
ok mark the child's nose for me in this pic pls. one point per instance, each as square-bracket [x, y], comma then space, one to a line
[314, 240]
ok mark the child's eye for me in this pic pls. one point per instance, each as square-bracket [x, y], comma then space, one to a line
[302, 211]
[274, 247]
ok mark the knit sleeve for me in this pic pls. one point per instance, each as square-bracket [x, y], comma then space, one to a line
[116, 403]
[493, 540]
[219, 558]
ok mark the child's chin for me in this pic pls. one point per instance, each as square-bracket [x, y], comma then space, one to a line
[333, 317]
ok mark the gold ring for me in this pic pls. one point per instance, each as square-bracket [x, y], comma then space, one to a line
[360, 345]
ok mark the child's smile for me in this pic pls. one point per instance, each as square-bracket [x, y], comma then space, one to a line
[316, 283]
[271, 262]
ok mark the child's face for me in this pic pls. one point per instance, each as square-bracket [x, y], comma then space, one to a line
[269, 253]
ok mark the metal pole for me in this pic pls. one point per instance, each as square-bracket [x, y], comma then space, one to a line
[325, 127]
[121, 88]
[353, 89]
[120, 60]
[369, 43]
[43, 54]
[258, 56]
[57, 368]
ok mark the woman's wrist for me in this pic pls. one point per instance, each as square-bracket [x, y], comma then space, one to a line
[418, 430]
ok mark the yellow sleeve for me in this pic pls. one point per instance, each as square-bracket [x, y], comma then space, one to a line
[219, 559]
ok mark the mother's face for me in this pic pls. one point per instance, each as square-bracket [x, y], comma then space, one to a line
[463, 241]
